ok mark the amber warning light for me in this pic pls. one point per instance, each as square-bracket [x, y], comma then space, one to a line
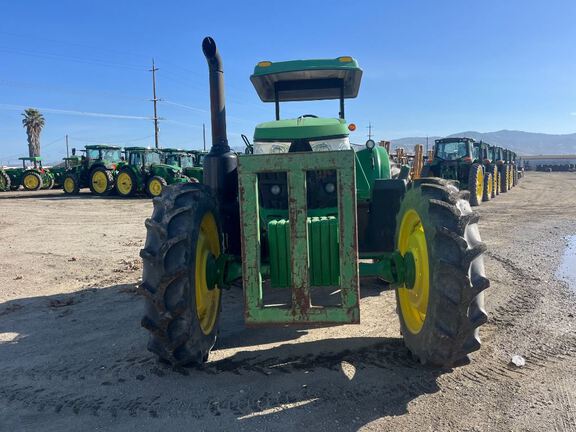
[351, 127]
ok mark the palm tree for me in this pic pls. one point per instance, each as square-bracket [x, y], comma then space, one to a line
[33, 121]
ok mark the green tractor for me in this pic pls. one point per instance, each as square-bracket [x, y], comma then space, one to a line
[96, 169]
[518, 167]
[504, 172]
[484, 154]
[188, 160]
[143, 171]
[32, 176]
[59, 172]
[459, 159]
[300, 220]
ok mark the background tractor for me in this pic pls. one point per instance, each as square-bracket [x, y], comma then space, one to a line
[490, 171]
[188, 160]
[500, 156]
[459, 159]
[293, 220]
[143, 171]
[32, 176]
[59, 172]
[96, 170]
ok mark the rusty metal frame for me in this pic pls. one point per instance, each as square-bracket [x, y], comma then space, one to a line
[296, 165]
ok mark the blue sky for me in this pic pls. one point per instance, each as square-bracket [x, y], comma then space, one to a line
[430, 67]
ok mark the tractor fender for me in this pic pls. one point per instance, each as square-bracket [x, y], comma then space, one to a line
[377, 233]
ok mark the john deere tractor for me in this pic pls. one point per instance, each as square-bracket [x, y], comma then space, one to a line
[187, 160]
[32, 176]
[484, 154]
[293, 220]
[59, 171]
[504, 172]
[143, 171]
[459, 159]
[96, 170]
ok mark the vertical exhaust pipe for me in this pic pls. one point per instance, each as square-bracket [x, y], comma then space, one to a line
[220, 164]
[217, 101]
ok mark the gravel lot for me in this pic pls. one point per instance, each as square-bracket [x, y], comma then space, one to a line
[73, 355]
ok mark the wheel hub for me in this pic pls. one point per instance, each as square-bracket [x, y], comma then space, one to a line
[409, 270]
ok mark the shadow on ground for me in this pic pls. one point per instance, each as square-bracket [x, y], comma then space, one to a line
[83, 355]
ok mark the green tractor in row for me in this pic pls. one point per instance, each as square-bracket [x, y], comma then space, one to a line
[144, 171]
[461, 159]
[95, 169]
[190, 161]
[59, 171]
[32, 176]
[300, 220]
[501, 159]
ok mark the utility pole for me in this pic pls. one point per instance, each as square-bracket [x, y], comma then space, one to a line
[426, 144]
[67, 152]
[369, 130]
[154, 100]
[204, 134]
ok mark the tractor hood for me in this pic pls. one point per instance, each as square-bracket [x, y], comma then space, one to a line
[165, 167]
[300, 128]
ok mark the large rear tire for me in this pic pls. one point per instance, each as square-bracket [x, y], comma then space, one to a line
[503, 179]
[476, 184]
[32, 181]
[495, 190]
[488, 184]
[443, 307]
[4, 182]
[101, 181]
[182, 305]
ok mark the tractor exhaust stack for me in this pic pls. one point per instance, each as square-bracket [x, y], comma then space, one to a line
[220, 164]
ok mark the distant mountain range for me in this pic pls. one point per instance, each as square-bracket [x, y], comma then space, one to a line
[524, 143]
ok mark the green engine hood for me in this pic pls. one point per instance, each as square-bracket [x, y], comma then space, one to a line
[300, 128]
[165, 168]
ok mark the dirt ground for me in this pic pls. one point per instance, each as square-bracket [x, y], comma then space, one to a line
[73, 355]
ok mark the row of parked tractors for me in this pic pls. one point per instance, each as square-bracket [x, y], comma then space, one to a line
[482, 169]
[108, 169]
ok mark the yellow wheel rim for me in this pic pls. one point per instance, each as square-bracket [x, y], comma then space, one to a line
[414, 301]
[480, 185]
[31, 182]
[69, 185]
[155, 187]
[124, 183]
[495, 179]
[99, 182]
[207, 301]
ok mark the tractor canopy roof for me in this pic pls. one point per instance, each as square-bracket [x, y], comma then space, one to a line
[304, 80]
[35, 158]
[300, 128]
[141, 149]
[174, 150]
[454, 139]
[101, 147]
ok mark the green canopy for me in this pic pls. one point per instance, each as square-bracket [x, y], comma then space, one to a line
[304, 80]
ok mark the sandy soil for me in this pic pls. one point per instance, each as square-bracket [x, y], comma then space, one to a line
[73, 355]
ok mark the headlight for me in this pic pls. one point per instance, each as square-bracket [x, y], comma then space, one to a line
[334, 144]
[260, 147]
[275, 190]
